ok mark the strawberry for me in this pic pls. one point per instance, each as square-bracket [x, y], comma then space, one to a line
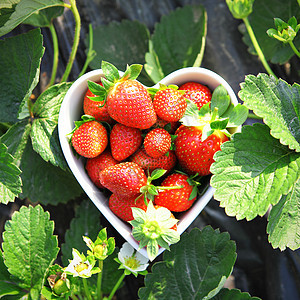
[128, 101]
[166, 162]
[157, 142]
[177, 200]
[124, 179]
[94, 107]
[169, 103]
[89, 138]
[198, 93]
[121, 206]
[124, 141]
[193, 154]
[97, 164]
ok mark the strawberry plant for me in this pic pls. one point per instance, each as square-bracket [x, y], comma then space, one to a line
[256, 173]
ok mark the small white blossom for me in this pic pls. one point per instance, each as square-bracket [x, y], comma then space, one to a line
[78, 266]
[132, 260]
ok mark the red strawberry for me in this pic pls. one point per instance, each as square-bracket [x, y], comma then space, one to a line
[121, 206]
[124, 141]
[97, 164]
[128, 101]
[157, 142]
[89, 139]
[166, 162]
[194, 155]
[169, 104]
[124, 179]
[198, 93]
[94, 108]
[176, 200]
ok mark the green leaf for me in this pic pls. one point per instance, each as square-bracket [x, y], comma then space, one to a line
[120, 44]
[44, 18]
[193, 268]
[237, 115]
[44, 134]
[42, 182]
[29, 247]
[10, 180]
[262, 18]
[19, 11]
[283, 227]
[252, 171]
[220, 99]
[85, 223]
[8, 286]
[20, 73]
[277, 103]
[233, 294]
[45, 183]
[152, 65]
[179, 38]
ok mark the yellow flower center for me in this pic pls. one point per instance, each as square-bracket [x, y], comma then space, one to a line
[131, 262]
[81, 267]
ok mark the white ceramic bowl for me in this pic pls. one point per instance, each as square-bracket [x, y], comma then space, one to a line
[71, 110]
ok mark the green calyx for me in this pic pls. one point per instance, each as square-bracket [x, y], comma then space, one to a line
[220, 114]
[240, 9]
[102, 247]
[110, 78]
[149, 191]
[152, 228]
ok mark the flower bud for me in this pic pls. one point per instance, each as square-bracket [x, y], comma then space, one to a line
[240, 9]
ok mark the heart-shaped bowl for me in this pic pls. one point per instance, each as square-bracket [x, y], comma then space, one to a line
[71, 111]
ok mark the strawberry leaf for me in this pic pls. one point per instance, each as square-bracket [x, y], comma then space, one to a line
[237, 115]
[152, 66]
[8, 285]
[19, 12]
[233, 294]
[19, 74]
[10, 180]
[44, 134]
[252, 171]
[283, 227]
[207, 257]
[277, 103]
[220, 99]
[110, 71]
[179, 39]
[96, 89]
[121, 43]
[29, 231]
[132, 72]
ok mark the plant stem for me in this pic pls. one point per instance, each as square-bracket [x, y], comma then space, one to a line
[86, 289]
[55, 54]
[75, 42]
[116, 286]
[294, 48]
[91, 52]
[99, 280]
[257, 47]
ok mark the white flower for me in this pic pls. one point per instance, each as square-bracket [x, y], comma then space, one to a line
[78, 266]
[132, 260]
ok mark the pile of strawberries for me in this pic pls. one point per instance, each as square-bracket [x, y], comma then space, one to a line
[133, 137]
